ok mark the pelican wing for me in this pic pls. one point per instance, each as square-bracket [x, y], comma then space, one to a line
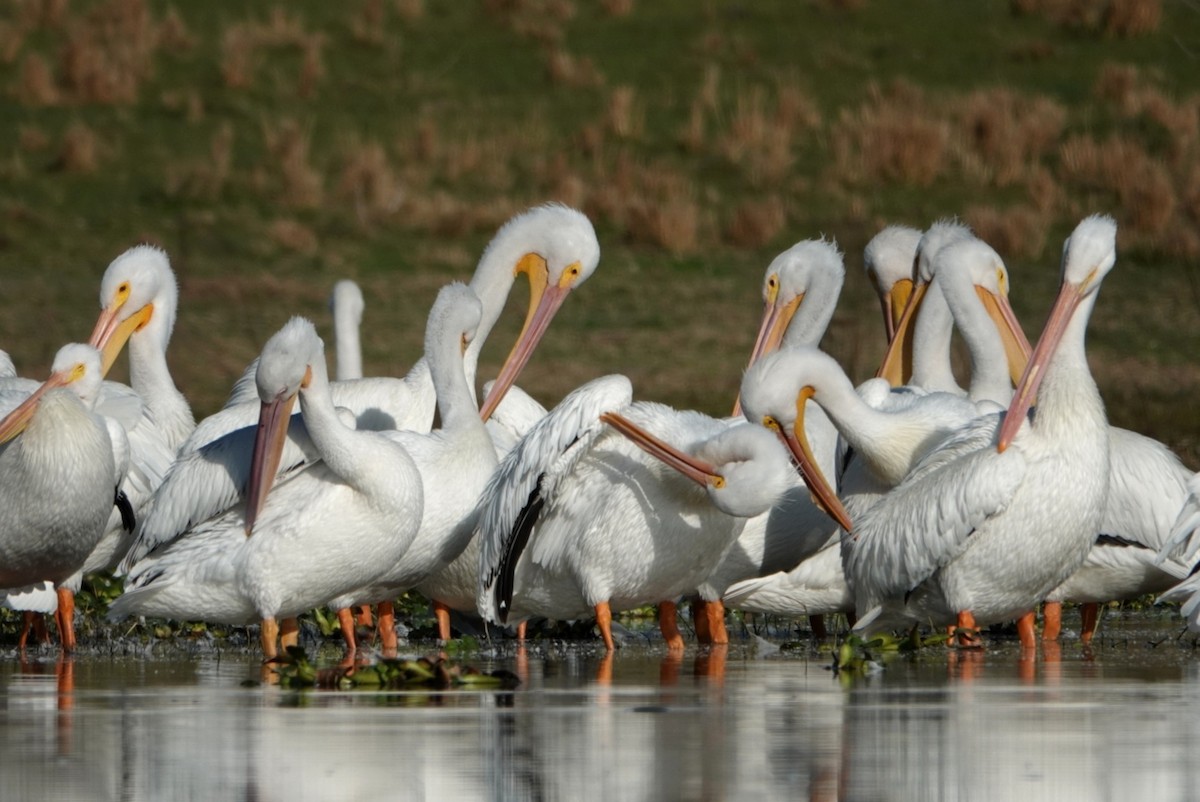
[209, 480]
[1184, 540]
[925, 522]
[527, 477]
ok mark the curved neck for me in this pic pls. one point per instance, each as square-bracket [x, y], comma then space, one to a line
[990, 380]
[874, 434]
[931, 344]
[456, 402]
[349, 348]
[492, 282]
[150, 378]
[809, 325]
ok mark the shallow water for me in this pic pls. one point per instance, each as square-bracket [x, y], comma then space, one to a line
[1117, 722]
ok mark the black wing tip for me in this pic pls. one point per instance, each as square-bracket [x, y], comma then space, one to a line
[121, 502]
[517, 540]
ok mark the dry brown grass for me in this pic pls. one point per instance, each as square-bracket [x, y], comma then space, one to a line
[756, 223]
[1124, 88]
[759, 139]
[1019, 231]
[894, 136]
[299, 184]
[1126, 18]
[35, 82]
[294, 236]
[1122, 167]
[366, 25]
[80, 149]
[665, 213]
[410, 10]
[1009, 132]
[173, 33]
[617, 8]
[626, 118]
[368, 181]
[109, 52]
[241, 41]
[32, 139]
[578, 72]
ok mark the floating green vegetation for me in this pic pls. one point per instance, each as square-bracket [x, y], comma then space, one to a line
[857, 656]
[296, 672]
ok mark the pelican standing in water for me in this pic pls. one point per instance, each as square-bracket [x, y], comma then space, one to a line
[323, 530]
[579, 520]
[60, 468]
[1003, 511]
[555, 246]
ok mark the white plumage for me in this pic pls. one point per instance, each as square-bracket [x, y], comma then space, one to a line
[579, 520]
[324, 530]
[992, 521]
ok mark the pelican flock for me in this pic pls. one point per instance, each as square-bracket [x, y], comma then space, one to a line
[905, 500]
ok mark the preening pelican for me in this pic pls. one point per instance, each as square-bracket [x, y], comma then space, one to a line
[322, 531]
[579, 520]
[800, 292]
[1002, 512]
[889, 261]
[58, 479]
[554, 245]
[455, 461]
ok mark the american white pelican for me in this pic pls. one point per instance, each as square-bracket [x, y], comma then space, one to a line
[347, 305]
[579, 521]
[889, 435]
[885, 443]
[1182, 545]
[58, 480]
[800, 292]
[1148, 485]
[554, 245]
[323, 530]
[455, 461]
[1002, 512]
[919, 351]
[889, 261]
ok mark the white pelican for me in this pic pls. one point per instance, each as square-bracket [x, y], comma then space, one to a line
[800, 292]
[886, 442]
[455, 461]
[347, 305]
[1001, 513]
[59, 480]
[1182, 545]
[1148, 485]
[919, 350]
[7, 369]
[889, 261]
[890, 434]
[554, 245]
[323, 530]
[578, 521]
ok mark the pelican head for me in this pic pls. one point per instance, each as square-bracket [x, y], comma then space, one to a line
[138, 293]
[285, 367]
[77, 368]
[897, 362]
[775, 392]
[456, 309]
[347, 302]
[889, 259]
[1088, 255]
[556, 247]
[743, 469]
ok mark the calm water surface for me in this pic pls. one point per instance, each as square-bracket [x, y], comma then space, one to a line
[1117, 722]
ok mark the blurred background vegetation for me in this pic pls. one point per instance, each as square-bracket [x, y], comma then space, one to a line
[274, 149]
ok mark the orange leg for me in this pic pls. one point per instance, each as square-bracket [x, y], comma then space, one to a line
[966, 634]
[364, 615]
[604, 621]
[66, 619]
[1051, 620]
[442, 613]
[666, 623]
[268, 637]
[521, 631]
[27, 619]
[1091, 620]
[387, 627]
[700, 620]
[718, 635]
[289, 633]
[1027, 630]
[346, 624]
[817, 624]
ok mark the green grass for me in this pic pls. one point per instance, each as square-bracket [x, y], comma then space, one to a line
[475, 124]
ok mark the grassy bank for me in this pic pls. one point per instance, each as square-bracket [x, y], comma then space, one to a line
[275, 149]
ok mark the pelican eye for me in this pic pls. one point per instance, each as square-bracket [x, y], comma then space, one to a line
[718, 482]
[770, 422]
[78, 371]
